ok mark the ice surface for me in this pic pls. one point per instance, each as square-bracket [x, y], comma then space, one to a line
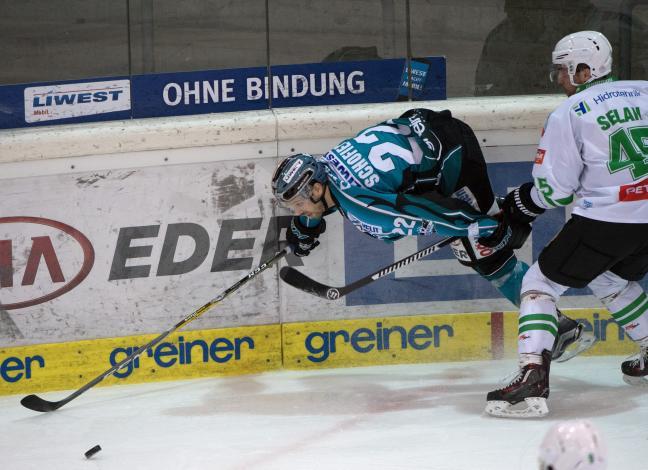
[427, 416]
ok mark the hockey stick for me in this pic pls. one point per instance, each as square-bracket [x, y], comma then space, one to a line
[301, 281]
[34, 402]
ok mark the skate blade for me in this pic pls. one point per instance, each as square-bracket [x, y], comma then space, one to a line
[536, 407]
[582, 344]
[636, 381]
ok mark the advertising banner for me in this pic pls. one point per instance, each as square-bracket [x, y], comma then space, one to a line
[331, 83]
[65, 102]
[183, 355]
[215, 91]
[132, 251]
[55, 102]
[395, 340]
[429, 338]
[303, 345]
[612, 339]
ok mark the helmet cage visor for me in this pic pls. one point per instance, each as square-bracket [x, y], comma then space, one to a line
[295, 195]
[570, 68]
[554, 71]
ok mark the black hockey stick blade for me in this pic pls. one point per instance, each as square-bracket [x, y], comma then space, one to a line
[302, 282]
[36, 403]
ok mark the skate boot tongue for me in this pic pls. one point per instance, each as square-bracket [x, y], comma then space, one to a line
[517, 375]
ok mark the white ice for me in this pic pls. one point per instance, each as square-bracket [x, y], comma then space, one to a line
[427, 416]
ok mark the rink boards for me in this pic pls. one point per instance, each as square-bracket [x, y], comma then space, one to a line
[305, 345]
[112, 232]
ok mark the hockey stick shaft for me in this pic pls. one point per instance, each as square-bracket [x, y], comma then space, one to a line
[33, 402]
[299, 280]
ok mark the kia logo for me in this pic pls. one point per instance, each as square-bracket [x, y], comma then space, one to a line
[40, 259]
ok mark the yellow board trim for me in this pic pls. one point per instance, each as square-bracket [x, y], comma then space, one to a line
[612, 338]
[388, 340]
[306, 345]
[183, 355]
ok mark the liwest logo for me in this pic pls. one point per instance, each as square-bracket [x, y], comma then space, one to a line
[581, 108]
[167, 354]
[321, 344]
[50, 102]
[58, 258]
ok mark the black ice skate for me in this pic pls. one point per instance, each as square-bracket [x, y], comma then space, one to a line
[526, 395]
[571, 339]
[635, 370]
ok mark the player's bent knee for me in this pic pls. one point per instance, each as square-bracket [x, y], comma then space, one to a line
[608, 286]
[631, 289]
[535, 280]
[536, 295]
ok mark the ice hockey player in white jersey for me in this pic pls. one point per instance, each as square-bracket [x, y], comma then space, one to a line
[593, 152]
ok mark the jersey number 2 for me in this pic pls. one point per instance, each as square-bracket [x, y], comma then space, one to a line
[380, 154]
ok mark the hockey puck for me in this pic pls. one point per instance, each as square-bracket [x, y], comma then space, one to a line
[92, 451]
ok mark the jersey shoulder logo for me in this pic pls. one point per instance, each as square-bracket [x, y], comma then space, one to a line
[539, 158]
[581, 108]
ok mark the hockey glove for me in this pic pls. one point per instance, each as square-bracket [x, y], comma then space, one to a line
[510, 235]
[302, 239]
[519, 207]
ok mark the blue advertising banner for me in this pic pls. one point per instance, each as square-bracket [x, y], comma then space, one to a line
[329, 83]
[215, 91]
[364, 255]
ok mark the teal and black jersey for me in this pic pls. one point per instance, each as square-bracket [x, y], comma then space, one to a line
[374, 177]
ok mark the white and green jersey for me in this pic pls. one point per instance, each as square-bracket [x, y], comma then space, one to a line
[595, 147]
[370, 175]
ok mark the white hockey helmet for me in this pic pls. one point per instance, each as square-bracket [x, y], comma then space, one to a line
[573, 445]
[584, 47]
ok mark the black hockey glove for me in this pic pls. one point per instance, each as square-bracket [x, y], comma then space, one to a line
[507, 235]
[519, 207]
[301, 239]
